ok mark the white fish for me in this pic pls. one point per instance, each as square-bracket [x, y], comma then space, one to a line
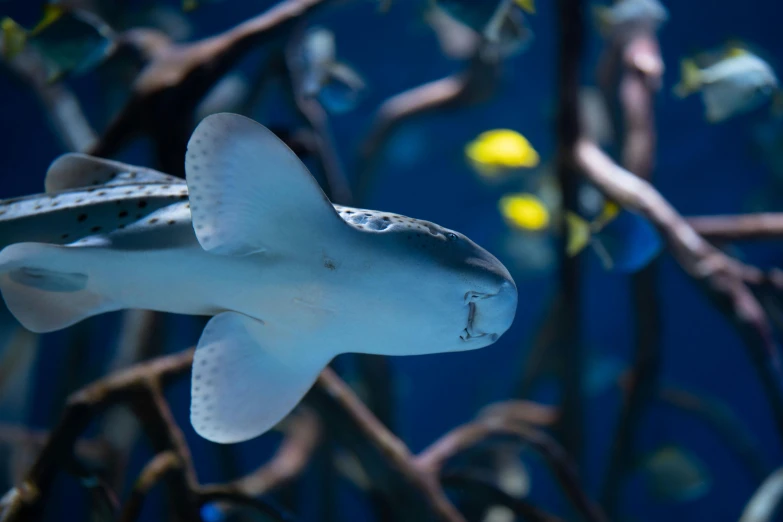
[738, 83]
[290, 279]
[335, 84]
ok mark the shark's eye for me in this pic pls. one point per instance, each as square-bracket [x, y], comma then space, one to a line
[451, 237]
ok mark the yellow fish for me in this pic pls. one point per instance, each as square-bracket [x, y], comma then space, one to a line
[498, 151]
[524, 211]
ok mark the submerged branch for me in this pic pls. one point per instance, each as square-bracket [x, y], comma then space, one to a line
[743, 227]
[474, 85]
[630, 92]
[166, 92]
[723, 279]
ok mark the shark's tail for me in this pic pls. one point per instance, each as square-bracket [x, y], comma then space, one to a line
[47, 288]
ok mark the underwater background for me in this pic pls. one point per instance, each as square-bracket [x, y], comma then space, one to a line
[701, 168]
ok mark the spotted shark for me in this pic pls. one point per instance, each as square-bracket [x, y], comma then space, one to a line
[290, 279]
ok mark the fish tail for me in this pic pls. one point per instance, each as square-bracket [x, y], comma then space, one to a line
[691, 79]
[578, 234]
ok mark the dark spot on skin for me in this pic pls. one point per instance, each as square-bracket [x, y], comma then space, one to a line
[386, 218]
[79, 200]
[55, 203]
[95, 229]
[165, 187]
[81, 218]
[142, 204]
[38, 207]
[123, 214]
[170, 222]
[328, 263]
[183, 196]
[349, 211]
[92, 189]
[187, 205]
[128, 192]
[101, 193]
[153, 221]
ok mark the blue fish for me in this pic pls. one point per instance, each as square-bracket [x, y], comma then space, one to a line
[624, 241]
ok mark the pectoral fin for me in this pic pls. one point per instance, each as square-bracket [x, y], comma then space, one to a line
[250, 193]
[247, 377]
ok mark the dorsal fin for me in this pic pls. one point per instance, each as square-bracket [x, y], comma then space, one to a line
[75, 170]
[250, 193]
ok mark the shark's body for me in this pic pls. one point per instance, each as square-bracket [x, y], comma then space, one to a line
[290, 279]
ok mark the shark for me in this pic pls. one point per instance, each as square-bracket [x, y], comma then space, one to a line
[289, 279]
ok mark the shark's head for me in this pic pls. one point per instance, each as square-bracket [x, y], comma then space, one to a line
[446, 292]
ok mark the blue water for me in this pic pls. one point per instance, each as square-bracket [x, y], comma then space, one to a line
[701, 169]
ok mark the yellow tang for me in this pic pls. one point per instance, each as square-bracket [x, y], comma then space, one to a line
[527, 5]
[524, 211]
[496, 151]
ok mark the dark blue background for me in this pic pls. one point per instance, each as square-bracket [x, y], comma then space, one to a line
[701, 169]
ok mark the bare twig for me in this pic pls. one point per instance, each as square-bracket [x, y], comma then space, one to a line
[459, 439]
[630, 76]
[474, 85]
[167, 91]
[739, 227]
[154, 471]
[724, 280]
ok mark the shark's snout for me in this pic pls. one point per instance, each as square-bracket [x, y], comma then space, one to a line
[490, 315]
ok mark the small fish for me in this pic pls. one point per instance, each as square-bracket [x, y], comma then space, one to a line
[524, 212]
[289, 279]
[627, 16]
[623, 240]
[498, 152]
[502, 23]
[336, 85]
[69, 40]
[739, 82]
[675, 475]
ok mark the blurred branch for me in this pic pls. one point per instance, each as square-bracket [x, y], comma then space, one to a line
[728, 427]
[469, 435]
[765, 504]
[630, 75]
[739, 227]
[723, 279]
[567, 341]
[475, 85]
[167, 91]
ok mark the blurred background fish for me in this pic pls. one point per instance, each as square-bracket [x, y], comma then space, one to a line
[737, 82]
[336, 85]
[676, 475]
[69, 40]
[498, 153]
[625, 17]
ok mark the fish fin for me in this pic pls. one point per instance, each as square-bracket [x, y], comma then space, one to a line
[528, 6]
[75, 170]
[609, 213]
[691, 80]
[250, 193]
[603, 254]
[14, 38]
[43, 294]
[579, 234]
[246, 378]
[346, 75]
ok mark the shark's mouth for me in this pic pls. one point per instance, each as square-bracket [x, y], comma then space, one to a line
[469, 332]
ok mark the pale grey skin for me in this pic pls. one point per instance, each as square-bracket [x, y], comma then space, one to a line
[290, 279]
